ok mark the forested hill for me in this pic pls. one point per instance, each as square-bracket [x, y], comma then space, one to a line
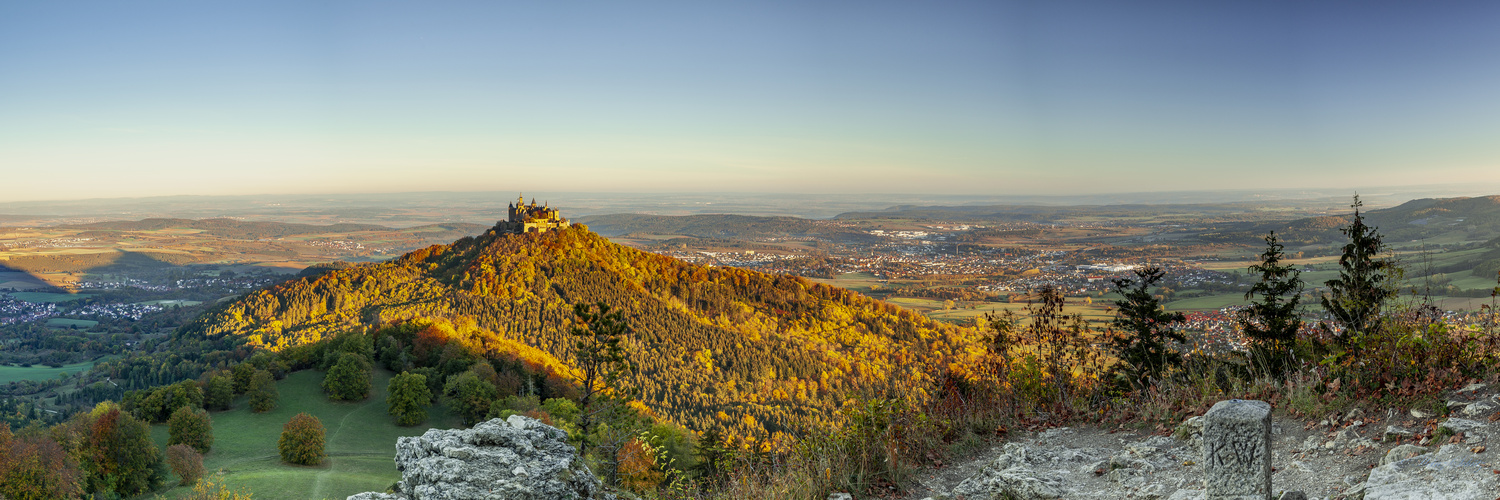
[1473, 219]
[743, 351]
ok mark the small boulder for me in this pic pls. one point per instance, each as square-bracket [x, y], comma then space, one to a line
[1402, 452]
[1461, 425]
[1393, 433]
[1480, 408]
[1452, 473]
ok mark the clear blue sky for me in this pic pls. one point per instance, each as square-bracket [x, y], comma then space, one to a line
[142, 98]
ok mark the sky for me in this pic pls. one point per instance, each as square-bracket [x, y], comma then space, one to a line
[149, 98]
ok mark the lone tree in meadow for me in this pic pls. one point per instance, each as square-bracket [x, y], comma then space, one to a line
[1144, 329]
[192, 427]
[1365, 283]
[186, 462]
[1272, 322]
[302, 440]
[349, 378]
[263, 395]
[408, 398]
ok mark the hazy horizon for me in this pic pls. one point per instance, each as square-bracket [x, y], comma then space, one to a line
[1018, 98]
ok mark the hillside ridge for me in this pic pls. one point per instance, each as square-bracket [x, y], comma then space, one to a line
[749, 353]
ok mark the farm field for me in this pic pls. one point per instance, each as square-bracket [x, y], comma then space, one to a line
[171, 303]
[360, 442]
[10, 374]
[71, 323]
[1095, 311]
[859, 282]
[47, 297]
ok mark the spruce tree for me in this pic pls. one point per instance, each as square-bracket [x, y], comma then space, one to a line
[1272, 322]
[1357, 297]
[1144, 329]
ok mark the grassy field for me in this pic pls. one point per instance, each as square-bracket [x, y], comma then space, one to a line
[859, 282]
[48, 297]
[171, 303]
[360, 442]
[10, 374]
[69, 323]
[1094, 311]
[1207, 302]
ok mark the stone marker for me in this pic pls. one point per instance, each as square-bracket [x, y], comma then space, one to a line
[1237, 450]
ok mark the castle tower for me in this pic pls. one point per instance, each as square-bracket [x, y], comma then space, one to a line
[531, 218]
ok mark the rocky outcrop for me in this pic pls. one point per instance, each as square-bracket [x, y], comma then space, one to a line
[1452, 473]
[1027, 471]
[518, 458]
[1379, 454]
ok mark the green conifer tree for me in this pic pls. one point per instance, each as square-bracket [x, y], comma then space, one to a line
[1144, 329]
[1356, 298]
[1272, 322]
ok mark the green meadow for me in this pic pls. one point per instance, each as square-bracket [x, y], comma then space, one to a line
[48, 297]
[10, 374]
[71, 323]
[360, 441]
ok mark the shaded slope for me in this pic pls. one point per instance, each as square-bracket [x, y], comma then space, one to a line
[744, 351]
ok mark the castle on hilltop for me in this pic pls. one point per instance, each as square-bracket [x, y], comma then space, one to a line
[531, 218]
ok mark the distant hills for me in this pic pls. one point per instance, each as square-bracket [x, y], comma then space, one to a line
[1438, 219]
[1046, 213]
[167, 242]
[749, 353]
[251, 230]
[718, 226]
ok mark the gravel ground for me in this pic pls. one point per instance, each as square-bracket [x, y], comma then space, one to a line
[1324, 458]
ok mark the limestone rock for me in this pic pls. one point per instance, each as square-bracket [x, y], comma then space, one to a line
[1480, 408]
[1393, 433]
[517, 458]
[1191, 430]
[1452, 473]
[1461, 425]
[1402, 452]
[1023, 472]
